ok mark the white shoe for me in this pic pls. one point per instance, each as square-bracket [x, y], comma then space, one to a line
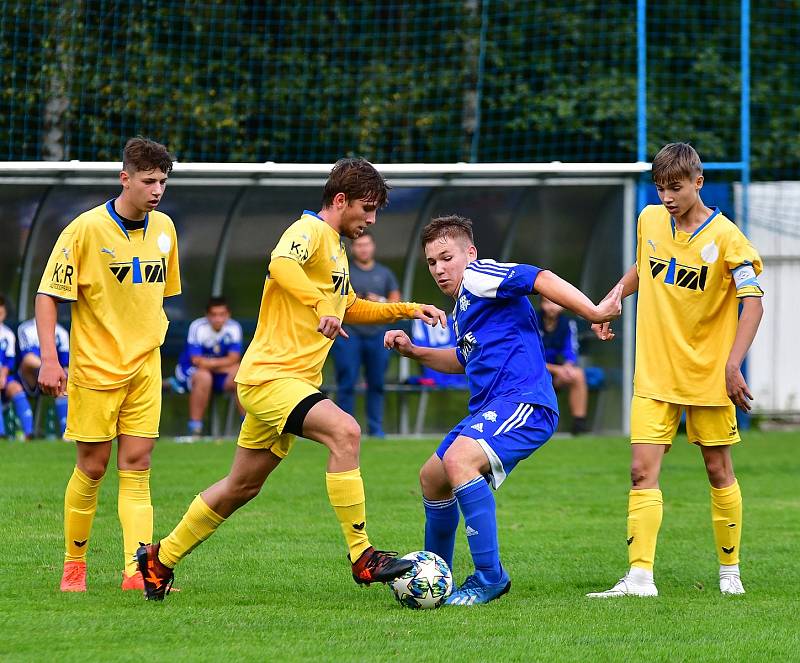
[627, 586]
[730, 583]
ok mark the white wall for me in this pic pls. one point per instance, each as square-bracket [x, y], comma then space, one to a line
[774, 360]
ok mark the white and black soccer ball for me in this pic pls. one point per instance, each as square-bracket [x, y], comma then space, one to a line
[427, 584]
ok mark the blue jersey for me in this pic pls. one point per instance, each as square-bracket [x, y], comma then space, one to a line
[29, 341]
[561, 344]
[498, 338]
[7, 348]
[204, 341]
[436, 337]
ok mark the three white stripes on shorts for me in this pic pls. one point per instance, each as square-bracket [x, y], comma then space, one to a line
[520, 416]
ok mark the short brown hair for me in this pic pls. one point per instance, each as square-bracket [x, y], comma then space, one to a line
[452, 225]
[357, 179]
[674, 162]
[143, 154]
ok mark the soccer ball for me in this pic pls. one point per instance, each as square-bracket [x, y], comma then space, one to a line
[427, 584]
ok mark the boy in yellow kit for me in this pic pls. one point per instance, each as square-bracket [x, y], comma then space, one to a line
[307, 296]
[114, 264]
[693, 269]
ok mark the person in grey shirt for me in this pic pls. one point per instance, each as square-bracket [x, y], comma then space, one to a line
[375, 282]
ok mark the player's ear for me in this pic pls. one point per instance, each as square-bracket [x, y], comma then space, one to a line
[472, 252]
[124, 178]
[698, 183]
[340, 200]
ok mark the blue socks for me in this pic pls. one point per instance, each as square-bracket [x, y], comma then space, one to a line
[23, 411]
[477, 504]
[61, 413]
[441, 523]
[195, 427]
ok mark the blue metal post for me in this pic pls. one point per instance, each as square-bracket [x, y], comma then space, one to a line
[641, 97]
[744, 419]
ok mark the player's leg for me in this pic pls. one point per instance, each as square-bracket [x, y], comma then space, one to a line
[375, 359]
[573, 379]
[322, 421]
[199, 396]
[259, 450]
[714, 429]
[441, 507]
[137, 425]
[28, 370]
[22, 407]
[653, 425]
[91, 424]
[346, 359]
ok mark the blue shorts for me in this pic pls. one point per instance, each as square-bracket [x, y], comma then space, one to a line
[183, 380]
[507, 431]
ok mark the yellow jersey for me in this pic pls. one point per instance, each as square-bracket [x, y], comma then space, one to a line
[687, 311]
[116, 280]
[311, 260]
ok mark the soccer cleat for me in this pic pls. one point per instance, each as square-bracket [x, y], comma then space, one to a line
[156, 577]
[378, 566]
[627, 586]
[134, 581]
[730, 583]
[476, 592]
[74, 577]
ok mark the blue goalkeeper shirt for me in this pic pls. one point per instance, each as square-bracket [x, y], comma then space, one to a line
[498, 339]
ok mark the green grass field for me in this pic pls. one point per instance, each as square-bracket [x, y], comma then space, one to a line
[273, 583]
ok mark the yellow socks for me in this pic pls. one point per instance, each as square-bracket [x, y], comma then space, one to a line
[726, 517]
[80, 505]
[645, 508]
[135, 513]
[346, 494]
[197, 524]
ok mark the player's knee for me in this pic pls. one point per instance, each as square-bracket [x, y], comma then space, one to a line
[202, 378]
[345, 439]
[94, 468]
[642, 474]
[719, 470]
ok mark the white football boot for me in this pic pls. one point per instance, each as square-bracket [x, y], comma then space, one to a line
[637, 582]
[730, 583]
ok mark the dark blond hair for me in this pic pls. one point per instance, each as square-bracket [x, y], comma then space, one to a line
[453, 226]
[675, 162]
[143, 155]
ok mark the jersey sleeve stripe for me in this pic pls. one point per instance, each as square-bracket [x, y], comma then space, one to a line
[485, 268]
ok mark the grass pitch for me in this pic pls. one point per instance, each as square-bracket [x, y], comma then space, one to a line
[274, 584]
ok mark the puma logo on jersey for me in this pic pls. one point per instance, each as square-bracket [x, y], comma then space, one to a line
[109, 252]
[65, 251]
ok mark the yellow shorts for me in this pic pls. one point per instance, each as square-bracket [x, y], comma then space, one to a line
[100, 415]
[267, 408]
[656, 422]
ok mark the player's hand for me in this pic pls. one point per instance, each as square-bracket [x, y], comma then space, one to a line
[568, 372]
[331, 327]
[603, 331]
[52, 378]
[738, 391]
[611, 306]
[431, 315]
[398, 341]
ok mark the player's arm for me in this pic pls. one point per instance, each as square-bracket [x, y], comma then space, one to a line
[52, 378]
[363, 312]
[750, 318]
[567, 295]
[217, 363]
[443, 360]
[289, 275]
[630, 284]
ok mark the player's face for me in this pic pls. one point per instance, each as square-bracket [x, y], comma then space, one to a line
[447, 258]
[363, 249]
[3, 314]
[357, 216]
[218, 316]
[680, 196]
[143, 188]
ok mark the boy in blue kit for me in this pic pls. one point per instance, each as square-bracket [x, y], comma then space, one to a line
[512, 407]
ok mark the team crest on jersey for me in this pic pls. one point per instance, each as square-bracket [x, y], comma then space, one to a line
[709, 253]
[463, 303]
[491, 415]
[164, 242]
[674, 273]
[140, 271]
